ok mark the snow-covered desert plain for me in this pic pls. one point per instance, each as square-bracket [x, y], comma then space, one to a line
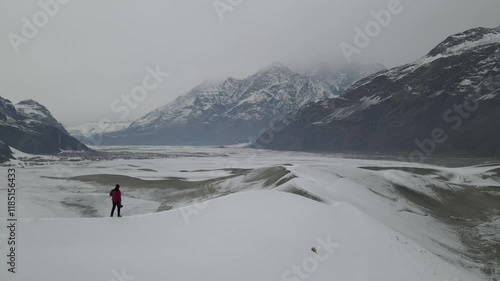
[233, 213]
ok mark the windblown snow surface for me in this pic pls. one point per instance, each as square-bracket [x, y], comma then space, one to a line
[265, 214]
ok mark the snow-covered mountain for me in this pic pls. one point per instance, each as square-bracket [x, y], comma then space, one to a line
[29, 127]
[90, 133]
[447, 102]
[231, 111]
[35, 111]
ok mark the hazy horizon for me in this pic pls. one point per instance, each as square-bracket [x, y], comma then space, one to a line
[90, 53]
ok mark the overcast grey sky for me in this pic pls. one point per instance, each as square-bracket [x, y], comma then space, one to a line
[91, 52]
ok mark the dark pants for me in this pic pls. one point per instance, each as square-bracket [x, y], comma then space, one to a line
[116, 204]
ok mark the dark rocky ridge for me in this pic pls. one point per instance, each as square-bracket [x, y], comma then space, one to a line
[33, 131]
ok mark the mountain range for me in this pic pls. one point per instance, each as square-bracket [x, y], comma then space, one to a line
[235, 110]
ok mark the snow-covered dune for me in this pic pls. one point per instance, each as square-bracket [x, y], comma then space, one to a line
[257, 235]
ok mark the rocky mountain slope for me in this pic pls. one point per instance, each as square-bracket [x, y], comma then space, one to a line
[446, 102]
[232, 111]
[29, 127]
[5, 153]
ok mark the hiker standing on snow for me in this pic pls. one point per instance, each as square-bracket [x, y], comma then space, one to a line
[116, 197]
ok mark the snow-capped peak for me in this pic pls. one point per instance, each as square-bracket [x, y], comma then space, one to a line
[35, 111]
[235, 107]
[469, 39]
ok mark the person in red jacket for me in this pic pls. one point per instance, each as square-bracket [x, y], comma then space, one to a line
[116, 197]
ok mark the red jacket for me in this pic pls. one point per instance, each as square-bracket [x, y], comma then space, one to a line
[116, 195]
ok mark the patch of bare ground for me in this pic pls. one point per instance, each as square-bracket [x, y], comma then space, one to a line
[464, 209]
